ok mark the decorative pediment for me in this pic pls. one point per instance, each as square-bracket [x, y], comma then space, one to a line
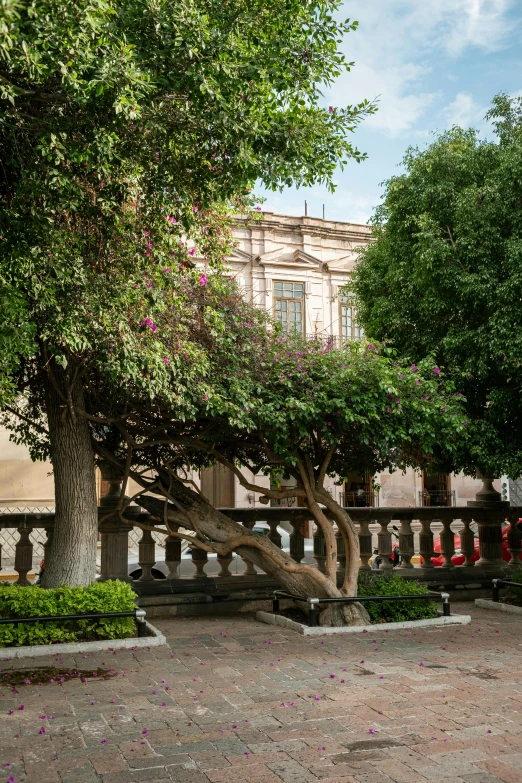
[289, 258]
[342, 264]
[240, 255]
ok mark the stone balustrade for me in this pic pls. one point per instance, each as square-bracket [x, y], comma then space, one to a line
[490, 524]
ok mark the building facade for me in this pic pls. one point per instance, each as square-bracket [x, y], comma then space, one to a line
[299, 269]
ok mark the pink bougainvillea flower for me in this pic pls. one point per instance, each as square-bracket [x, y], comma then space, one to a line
[166, 361]
[436, 371]
[163, 703]
[192, 251]
[203, 280]
[372, 731]
[42, 730]
[104, 742]
[318, 698]
[145, 731]
[331, 109]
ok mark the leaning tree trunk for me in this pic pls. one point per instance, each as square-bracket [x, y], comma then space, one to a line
[72, 555]
[300, 579]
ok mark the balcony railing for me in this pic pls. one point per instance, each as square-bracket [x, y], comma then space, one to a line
[436, 497]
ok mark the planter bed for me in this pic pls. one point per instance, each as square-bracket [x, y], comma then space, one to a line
[154, 638]
[308, 630]
[498, 606]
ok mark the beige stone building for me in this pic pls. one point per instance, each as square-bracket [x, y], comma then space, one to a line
[297, 268]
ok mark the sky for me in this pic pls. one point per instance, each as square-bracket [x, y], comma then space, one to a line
[431, 64]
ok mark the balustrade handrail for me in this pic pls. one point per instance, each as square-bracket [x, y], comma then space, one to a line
[483, 548]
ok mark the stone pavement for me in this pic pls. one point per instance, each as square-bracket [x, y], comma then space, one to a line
[234, 701]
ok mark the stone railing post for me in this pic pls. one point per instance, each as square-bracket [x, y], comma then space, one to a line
[23, 554]
[426, 543]
[514, 543]
[320, 549]
[341, 553]
[365, 545]
[384, 545]
[467, 543]
[406, 545]
[200, 559]
[275, 535]
[447, 543]
[173, 555]
[146, 556]
[224, 562]
[489, 516]
[249, 566]
[297, 540]
[115, 551]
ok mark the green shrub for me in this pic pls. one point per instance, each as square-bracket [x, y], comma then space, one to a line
[18, 601]
[395, 611]
[514, 594]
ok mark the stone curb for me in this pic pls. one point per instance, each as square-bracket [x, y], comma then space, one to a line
[156, 639]
[306, 630]
[497, 606]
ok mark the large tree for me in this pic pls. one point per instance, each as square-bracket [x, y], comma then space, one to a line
[443, 273]
[130, 134]
[293, 408]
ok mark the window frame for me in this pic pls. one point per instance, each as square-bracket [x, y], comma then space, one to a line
[284, 298]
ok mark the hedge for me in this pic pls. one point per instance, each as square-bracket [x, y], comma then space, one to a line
[17, 601]
[395, 611]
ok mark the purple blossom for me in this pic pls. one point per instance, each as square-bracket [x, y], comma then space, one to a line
[436, 371]
[414, 368]
[203, 280]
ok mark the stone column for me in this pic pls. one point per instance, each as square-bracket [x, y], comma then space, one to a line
[406, 545]
[426, 543]
[23, 554]
[489, 515]
[365, 545]
[224, 562]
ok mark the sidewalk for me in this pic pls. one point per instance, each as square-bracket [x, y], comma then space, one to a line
[234, 701]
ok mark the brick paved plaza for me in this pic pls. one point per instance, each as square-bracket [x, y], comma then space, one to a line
[234, 701]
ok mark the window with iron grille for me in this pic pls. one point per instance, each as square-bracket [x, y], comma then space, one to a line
[289, 305]
[348, 316]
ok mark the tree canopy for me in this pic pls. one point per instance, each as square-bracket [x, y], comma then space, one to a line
[443, 274]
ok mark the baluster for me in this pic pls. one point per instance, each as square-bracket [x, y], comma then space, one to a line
[341, 553]
[225, 561]
[173, 555]
[274, 535]
[200, 559]
[514, 543]
[426, 543]
[447, 543]
[146, 556]
[320, 549]
[406, 545]
[23, 554]
[115, 552]
[297, 541]
[249, 566]
[384, 539]
[467, 543]
[365, 545]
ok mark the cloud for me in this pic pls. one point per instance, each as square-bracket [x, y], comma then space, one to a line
[396, 44]
[463, 111]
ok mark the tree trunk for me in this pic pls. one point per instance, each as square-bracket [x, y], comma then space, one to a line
[72, 554]
[300, 579]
